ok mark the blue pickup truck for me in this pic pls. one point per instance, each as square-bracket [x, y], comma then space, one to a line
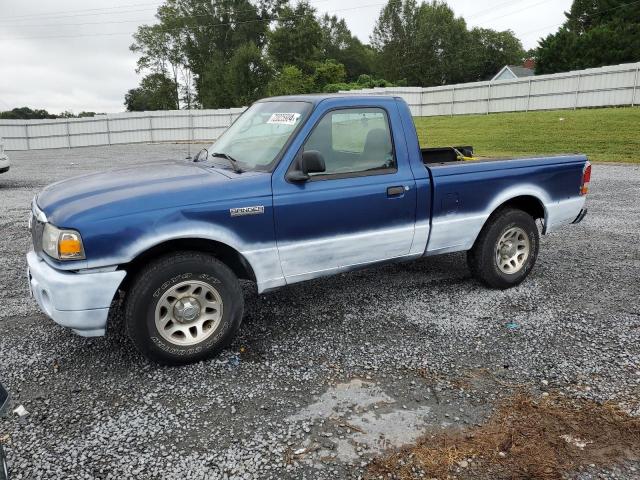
[297, 188]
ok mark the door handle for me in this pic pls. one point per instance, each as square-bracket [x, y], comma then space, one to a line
[395, 191]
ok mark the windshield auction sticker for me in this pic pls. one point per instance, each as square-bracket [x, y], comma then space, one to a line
[284, 118]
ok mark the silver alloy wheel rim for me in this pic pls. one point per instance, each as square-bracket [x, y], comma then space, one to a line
[512, 250]
[188, 313]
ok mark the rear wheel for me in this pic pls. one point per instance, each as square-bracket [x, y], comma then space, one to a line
[183, 308]
[506, 249]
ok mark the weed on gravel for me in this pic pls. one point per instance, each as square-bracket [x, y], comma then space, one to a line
[546, 438]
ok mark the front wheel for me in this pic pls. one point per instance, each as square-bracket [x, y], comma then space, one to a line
[506, 249]
[183, 308]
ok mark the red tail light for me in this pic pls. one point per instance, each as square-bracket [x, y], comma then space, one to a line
[586, 178]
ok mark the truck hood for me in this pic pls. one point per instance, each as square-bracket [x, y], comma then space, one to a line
[135, 189]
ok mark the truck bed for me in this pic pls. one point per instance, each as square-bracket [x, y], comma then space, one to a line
[445, 154]
[465, 193]
[436, 157]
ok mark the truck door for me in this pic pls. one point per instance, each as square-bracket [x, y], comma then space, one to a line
[361, 210]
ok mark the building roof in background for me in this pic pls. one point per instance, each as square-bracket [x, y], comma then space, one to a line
[513, 71]
[522, 71]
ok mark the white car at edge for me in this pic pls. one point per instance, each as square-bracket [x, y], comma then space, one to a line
[4, 160]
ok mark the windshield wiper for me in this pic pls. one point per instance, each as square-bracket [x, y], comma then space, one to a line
[232, 161]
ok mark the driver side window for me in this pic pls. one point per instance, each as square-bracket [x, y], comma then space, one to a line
[353, 141]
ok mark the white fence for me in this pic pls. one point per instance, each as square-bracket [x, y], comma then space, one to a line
[117, 128]
[616, 85]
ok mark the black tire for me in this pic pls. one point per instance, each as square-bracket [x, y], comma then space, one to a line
[482, 259]
[159, 277]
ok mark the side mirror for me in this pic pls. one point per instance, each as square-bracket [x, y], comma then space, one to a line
[311, 161]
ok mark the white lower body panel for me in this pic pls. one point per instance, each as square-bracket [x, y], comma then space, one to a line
[559, 214]
[302, 260]
[79, 301]
[458, 232]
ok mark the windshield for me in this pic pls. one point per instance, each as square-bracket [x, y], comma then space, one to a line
[258, 136]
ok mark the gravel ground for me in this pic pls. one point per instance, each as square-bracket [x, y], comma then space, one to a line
[327, 374]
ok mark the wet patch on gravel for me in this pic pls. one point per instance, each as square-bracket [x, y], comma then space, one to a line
[423, 342]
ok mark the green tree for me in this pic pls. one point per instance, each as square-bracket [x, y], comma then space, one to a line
[290, 81]
[156, 92]
[441, 48]
[162, 46]
[225, 53]
[393, 38]
[212, 90]
[490, 51]
[596, 33]
[297, 38]
[195, 41]
[328, 72]
[339, 44]
[214, 31]
[364, 81]
[248, 74]
[425, 44]
[26, 113]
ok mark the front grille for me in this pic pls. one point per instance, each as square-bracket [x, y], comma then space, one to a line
[37, 229]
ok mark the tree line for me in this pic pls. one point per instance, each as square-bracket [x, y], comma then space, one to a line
[596, 33]
[26, 113]
[227, 53]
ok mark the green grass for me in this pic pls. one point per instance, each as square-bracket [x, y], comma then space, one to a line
[604, 134]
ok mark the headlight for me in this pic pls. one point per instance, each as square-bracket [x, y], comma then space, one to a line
[62, 244]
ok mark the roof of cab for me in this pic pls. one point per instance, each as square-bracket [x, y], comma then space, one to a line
[319, 97]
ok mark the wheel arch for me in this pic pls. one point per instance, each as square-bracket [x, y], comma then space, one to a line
[529, 203]
[228, 255]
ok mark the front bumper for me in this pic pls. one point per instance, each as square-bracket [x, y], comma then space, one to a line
[79, 301]
[4, 164]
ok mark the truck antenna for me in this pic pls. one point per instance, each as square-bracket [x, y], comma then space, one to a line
[190, 122]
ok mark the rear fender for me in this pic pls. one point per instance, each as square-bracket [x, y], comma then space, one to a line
[458, 231]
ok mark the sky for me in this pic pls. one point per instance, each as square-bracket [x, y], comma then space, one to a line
[74, 54]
